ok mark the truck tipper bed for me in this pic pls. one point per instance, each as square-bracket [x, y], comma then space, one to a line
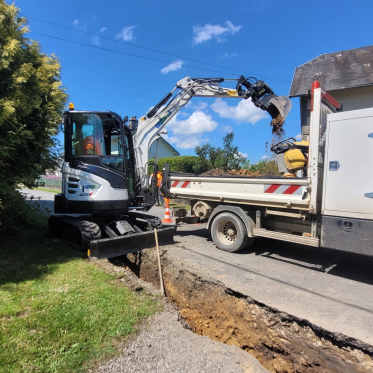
[329, 205]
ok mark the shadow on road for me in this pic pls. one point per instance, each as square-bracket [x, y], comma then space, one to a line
[337, 263]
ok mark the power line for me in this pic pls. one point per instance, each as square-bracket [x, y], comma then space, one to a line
[127, 54]
[157, 51]
[72, 94]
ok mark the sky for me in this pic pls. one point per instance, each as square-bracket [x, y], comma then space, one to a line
[125, 56]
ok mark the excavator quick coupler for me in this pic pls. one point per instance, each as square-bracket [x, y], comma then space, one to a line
[262, 96]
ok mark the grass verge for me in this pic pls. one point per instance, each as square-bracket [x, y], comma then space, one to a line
[58, 311]
[49, 190]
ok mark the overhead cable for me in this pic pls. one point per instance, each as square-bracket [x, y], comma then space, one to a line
[157, 51]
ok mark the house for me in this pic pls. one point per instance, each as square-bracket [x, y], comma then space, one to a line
[346, 75]
[164, 149]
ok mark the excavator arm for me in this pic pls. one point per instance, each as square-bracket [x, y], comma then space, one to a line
[151, 125]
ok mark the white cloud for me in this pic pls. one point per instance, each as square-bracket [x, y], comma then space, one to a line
[298, 137]
[245, 111]
[126, 34]
[218, 32]
[187, 133]
[95, 39]
[264, 157]
[187, 143]
[173, 66]
[84, 22]
[229, 55]
[200, 105]
[103, 29]
[227, 129]
[244, 155]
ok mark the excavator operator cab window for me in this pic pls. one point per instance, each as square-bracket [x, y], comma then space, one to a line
[98, 135]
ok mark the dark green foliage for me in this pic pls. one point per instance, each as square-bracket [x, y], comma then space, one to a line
[188, 163]
[31, 102]
[226, 158]
[263, 166]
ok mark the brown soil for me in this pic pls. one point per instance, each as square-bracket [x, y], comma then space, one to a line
[243, 172]
[277, 124]
[281, 342]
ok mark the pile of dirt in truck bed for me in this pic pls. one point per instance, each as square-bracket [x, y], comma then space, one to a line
[242, 172]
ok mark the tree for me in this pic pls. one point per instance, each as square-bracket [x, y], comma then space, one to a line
[31, 102]
[226, 158]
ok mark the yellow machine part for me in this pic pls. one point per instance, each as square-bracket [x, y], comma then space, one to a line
[301, 143]
[294, 159]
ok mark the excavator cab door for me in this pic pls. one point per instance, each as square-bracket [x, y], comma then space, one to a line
[98, 162]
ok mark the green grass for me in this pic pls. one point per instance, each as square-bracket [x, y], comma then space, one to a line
[49, 190]
[58, 311]
[177, 206]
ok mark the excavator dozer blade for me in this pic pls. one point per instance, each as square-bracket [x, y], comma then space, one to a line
[112, 247]
[279, 105]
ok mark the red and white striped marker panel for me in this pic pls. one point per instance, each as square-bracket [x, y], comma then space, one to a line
[283, 189]
[180, 184]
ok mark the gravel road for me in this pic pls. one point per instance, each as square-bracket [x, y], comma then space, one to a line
[165, 346]
[164, 342]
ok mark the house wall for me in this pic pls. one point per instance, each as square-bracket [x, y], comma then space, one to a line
[163, 151]
[351, 98]
[354, 98]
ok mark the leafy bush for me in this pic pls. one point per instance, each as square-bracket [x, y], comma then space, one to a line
[187, 163]
[262, 166]
[14, 211]
[226, 158]
[31, 102]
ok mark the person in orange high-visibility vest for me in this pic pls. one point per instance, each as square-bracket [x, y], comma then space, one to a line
[159, 196]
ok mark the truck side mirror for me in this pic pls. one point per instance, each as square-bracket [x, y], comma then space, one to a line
[125, 119]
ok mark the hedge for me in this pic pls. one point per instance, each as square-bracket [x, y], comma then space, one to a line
[187, 163]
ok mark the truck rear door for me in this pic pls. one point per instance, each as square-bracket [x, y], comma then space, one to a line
[348, 173]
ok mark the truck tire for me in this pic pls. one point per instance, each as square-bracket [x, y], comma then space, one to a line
[229, 233]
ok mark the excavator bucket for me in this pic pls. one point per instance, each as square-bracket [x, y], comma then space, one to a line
[279, 106]
[117, 246]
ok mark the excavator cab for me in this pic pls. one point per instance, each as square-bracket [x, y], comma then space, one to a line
[98, 173]
[98, 184]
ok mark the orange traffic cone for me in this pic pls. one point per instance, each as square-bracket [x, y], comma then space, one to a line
[167, 217]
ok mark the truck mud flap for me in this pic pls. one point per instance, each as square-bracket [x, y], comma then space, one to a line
[112, 247]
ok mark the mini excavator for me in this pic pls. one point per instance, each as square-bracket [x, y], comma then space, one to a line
[105, 186]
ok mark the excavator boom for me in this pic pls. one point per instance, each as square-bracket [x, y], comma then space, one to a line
[151, 125]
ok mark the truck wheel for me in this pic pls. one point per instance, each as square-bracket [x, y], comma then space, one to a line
[229, 233]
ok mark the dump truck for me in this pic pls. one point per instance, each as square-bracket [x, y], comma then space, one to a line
[324, 197]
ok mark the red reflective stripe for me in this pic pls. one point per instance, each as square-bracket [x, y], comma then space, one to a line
[291, 189]
[185, 184]
[272, 188]
[174, 184]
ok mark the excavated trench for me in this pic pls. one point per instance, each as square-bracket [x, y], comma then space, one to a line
[280, 341]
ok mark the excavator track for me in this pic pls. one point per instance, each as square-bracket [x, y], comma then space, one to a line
[100, 240]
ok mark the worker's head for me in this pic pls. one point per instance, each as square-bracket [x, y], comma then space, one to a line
[89, 149]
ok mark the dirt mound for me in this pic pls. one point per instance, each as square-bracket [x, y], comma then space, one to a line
[242, 172]
[220, 172]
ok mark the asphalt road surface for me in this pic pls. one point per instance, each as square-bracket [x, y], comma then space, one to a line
[331, 289]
